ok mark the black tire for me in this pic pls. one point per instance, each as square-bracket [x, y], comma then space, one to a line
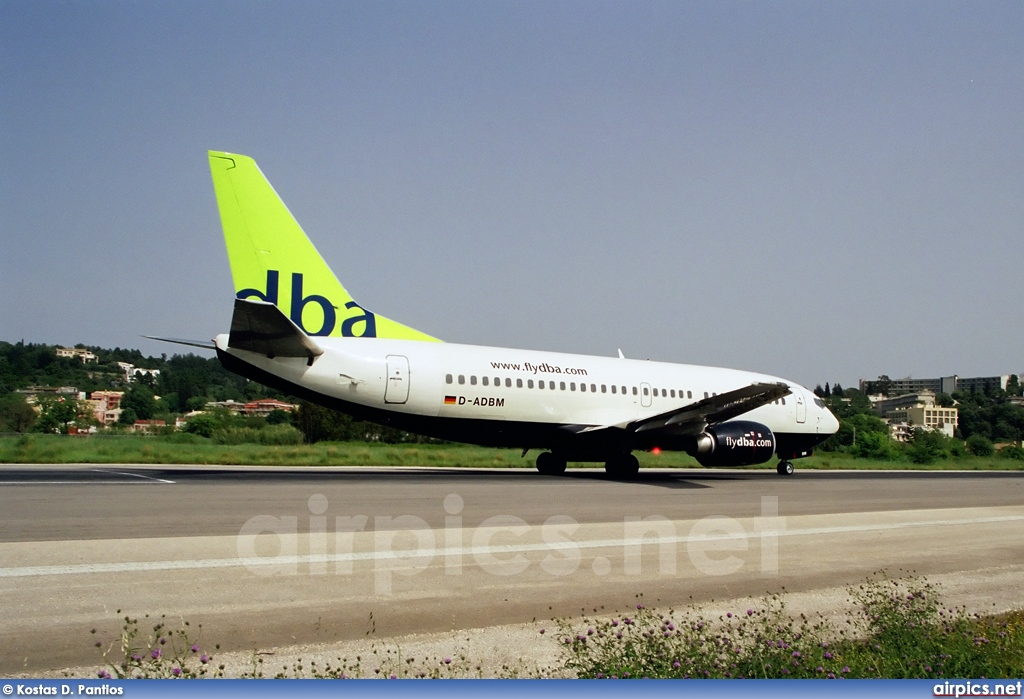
[784, 468]
[625, 466]
[550, 464]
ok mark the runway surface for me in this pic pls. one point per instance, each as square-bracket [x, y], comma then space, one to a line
[264, 557]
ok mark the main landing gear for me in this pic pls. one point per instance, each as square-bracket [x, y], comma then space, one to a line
[784, 468]
[624, 466]
[551, 464]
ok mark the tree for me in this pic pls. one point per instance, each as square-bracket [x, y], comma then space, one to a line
[139, 398]
[837, 390]
[16, 415]
[56, 414]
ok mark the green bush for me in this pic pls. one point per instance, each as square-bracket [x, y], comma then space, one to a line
[980, 446]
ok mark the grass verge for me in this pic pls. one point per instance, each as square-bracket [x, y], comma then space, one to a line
[190, 449]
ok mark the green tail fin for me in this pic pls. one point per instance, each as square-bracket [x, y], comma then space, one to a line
[272, 259]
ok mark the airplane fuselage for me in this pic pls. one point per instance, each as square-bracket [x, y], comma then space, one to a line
[497, 396]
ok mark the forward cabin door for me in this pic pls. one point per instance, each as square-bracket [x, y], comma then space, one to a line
[397, 390]
[801, 407]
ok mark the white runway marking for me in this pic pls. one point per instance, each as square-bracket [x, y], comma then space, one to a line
[139, 566]
[143, 480]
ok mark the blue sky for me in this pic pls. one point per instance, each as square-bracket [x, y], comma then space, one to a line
[822, 191]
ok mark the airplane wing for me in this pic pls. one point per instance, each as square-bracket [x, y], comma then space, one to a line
[258, 326]
[695, 418]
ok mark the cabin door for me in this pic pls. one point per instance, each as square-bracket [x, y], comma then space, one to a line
[397, 390]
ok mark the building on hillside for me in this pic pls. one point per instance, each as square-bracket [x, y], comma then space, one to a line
[883, 405]
[930, 417]
[132, 372]
[73, 352]
[265, 406]
[233, 406]
[945, 384]
[106, 406]
[33, 393]
[147, 426]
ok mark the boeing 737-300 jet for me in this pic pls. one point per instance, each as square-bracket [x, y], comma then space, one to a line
[297, 329]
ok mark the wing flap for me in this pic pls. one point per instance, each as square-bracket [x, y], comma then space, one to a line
[258, 326]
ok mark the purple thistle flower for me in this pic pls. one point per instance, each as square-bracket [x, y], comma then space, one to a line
[675, 664]
[828, 656]
[195, 648]
[176, 671]
[204, 658]
[750, 612]
[156, 654]
[729, 614]
[103, 675]
[447, 661]
[542, 632]
[845, 669]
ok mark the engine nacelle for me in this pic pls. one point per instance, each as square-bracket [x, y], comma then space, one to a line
[735, 443]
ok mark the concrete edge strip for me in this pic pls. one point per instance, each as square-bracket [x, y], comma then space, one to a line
[141, 566]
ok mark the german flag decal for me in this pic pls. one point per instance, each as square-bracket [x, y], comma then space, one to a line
[449, 400]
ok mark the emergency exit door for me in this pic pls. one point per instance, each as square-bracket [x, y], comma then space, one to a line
[397, 390]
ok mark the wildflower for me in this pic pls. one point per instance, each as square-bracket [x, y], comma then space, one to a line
[176, 671]
[820, 669]
[845, 669]
[828, 656]
[639, 606]
[796, 654]
[195, 648]
[103, 675]
[156, 654]
[675, 664]
[447, 661]
[615, 622]
[831, 675]
[750, 612]
[729, 614]
[204, 658]
[542, 632]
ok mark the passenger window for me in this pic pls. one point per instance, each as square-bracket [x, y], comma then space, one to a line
[472, 380]
[484, 381]
[551, 385]
[519, 383]
[634, 390]
[645, 390]
[624, 390]
[672, 393]
[497, 381]
[572, 386]
[540, 384]
[604, 388]
[689, 394]
[448, 378]
[614, 387]
[583, 388]
[663, 393]
[561, 385]
[508, 383]
[783, 401]
[462, 379]
[529, 383]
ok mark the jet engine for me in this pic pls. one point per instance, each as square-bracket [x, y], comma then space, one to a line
[735, 443]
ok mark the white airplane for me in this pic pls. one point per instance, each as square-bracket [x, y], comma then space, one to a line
[297, 329]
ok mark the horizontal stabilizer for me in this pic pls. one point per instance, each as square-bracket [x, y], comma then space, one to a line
[205, 344]
[258, 326]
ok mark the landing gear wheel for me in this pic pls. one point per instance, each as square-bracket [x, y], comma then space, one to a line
[784, 468]
[550, 464]
[625, 466]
